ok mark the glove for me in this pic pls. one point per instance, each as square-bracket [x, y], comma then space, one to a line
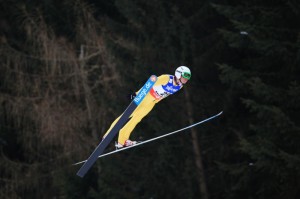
[132, 96]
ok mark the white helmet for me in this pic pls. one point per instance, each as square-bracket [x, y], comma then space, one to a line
[183, 71]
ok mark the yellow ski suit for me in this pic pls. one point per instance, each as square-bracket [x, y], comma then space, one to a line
[163, 87]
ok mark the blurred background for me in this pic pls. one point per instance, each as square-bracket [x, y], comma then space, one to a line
[67, 68]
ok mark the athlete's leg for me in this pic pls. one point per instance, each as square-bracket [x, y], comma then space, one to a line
[111, 126]
[139, 109]
[136, 117]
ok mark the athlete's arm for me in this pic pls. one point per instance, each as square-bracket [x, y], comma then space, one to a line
[161, 80]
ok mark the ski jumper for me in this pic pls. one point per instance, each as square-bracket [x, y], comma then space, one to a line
[164, 86]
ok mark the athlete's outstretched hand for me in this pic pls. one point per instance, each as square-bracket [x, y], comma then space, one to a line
[132, 96]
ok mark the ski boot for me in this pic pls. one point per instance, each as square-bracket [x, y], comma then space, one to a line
[127, 143]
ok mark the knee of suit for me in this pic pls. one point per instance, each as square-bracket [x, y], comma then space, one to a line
[137, 118]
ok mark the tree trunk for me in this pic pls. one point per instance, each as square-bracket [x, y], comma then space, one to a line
[89, 100]
[196, 148]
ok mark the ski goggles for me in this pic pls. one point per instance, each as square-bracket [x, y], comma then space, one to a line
[186, 75]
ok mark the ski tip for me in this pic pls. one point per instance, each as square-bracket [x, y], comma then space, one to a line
[220, 113]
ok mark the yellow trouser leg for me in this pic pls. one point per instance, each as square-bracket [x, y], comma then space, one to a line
[142, 110]
[111, 126]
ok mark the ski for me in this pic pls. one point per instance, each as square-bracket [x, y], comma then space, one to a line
[115, 130]
[156, 138]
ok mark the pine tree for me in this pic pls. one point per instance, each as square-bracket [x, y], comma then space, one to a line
[262, 81]
[52, 101]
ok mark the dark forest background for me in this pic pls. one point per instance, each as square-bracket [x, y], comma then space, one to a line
[67, 68]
